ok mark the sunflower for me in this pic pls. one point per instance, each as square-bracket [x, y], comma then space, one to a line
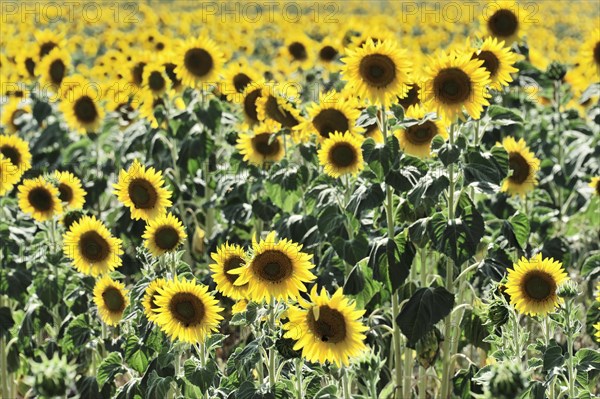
[163, 234]
[416, 139]
[111, 298]
[297, 51]
[341, 154]
[137, 65]
[16, 150]
[589, 55]
[9, 175]
[186, 311]
[452, 82]
[327, 328]
[70, 217]
[81, 108]
[47, 41]
[236, 77]
[274, 107]
[497, 60]
[14, 115]
[169, 67]
[262, 147]
[276, 269]
[198, 60]
[70, 191]
[149, 299]
[595, 184]
[26, 61]
[328, 54]
[92, 248]
[228, 257]
[333, 113]
[39, 198]
[143, 191]
[523, 166]
[250, 95]
[53, 68]
[155, 79]
[377, 72]
[503, 21]
[532, 285]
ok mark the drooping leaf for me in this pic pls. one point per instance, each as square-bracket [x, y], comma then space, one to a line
[111, 366]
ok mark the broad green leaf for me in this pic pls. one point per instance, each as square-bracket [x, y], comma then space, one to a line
[553, 356]
[486, 170]
[111, 366]
[202, 377]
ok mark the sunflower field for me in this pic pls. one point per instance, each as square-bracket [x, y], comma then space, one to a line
[310, 199]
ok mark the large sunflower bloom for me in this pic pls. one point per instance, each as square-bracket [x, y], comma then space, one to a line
[16, 150]
[186, 311]
[532, 285]
[416, 139]
[71, 193]
[92, 248]
[498, 61]
[163, 234]
[332, 113]
[341, 154]
[523, 166]
[228, 257]
[39, 198]
[111, 298]
[149, 299]
[327, 329]
[262, 147]
[377, 71]
[452, 82]
[276, 269]
[198, 60]
[143, 191]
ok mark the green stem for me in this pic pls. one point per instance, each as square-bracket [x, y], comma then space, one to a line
[570, 361]
[299, 383]
[272, 365]
[345, 384]
[3, 361]
[209, 211]
[389, 207]
[447, 360]
[423, 370]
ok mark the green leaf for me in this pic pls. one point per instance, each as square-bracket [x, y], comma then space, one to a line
[361, 284]
[448, 153]
[428, 189]
[135, 355]
[457, 238]
[486, 170]
[351, 251]
[553, 356]
[41, 110]
[365, 197]
[519, 226]
[587, 360]
[503, 116]
[77, 333]
[381, 158]
[109, 368]
[158, 386]
[418, 232]
[328, 392]
[591, 266]
[400, 255]
[6, 322]
[202, 377]
[426, 307]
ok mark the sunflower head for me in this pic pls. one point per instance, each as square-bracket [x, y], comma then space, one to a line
[523, 166]
[92, 248]
[163, 234]
[416, 139]
[149, 299]
[186, 311]
[81, 107]
[327, 328]
[341, 154]
[143, 191]
[262, 147]
[503, 21]
[40, 199]
[497, 60]
[111, 298]
[71, 193]
[276, 269]
[377, 71]
[16, 150]
[9, 175]
[228, 257]
[198, 60]
[532, 285]
[333, 113]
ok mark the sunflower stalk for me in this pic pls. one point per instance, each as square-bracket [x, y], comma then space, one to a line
[299, 383]
[273, 330]
[389, 206]
[346, 384]
[4, 361]
[423, 370]
[447, 360]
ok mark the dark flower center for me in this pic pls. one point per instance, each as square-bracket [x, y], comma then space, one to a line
[65, 192]
[142, 194]
[331, 325]
[412, 97]
[41, 199]
[503, 23]
[113, 300]
[166, 238]
[170, 70]
[93, 247]
[261, 144]
[30, 66]
[330, 120]
[85, 110]
[377, 70]
[198, 62]
[597, 53]
[240, 81]
[539, 285]
[421, 134]
[232, 263]
[272, 266]
[13, 155]
[250, 105]
[156, 81]
[519, 167]
[327, 53]
[57, 71]
[452, 86]
[298, 51]
[138, 73]
[490, 62]
[187, 308]
[342, 155]
[16, 120]
[46, 48]
[278, 114]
